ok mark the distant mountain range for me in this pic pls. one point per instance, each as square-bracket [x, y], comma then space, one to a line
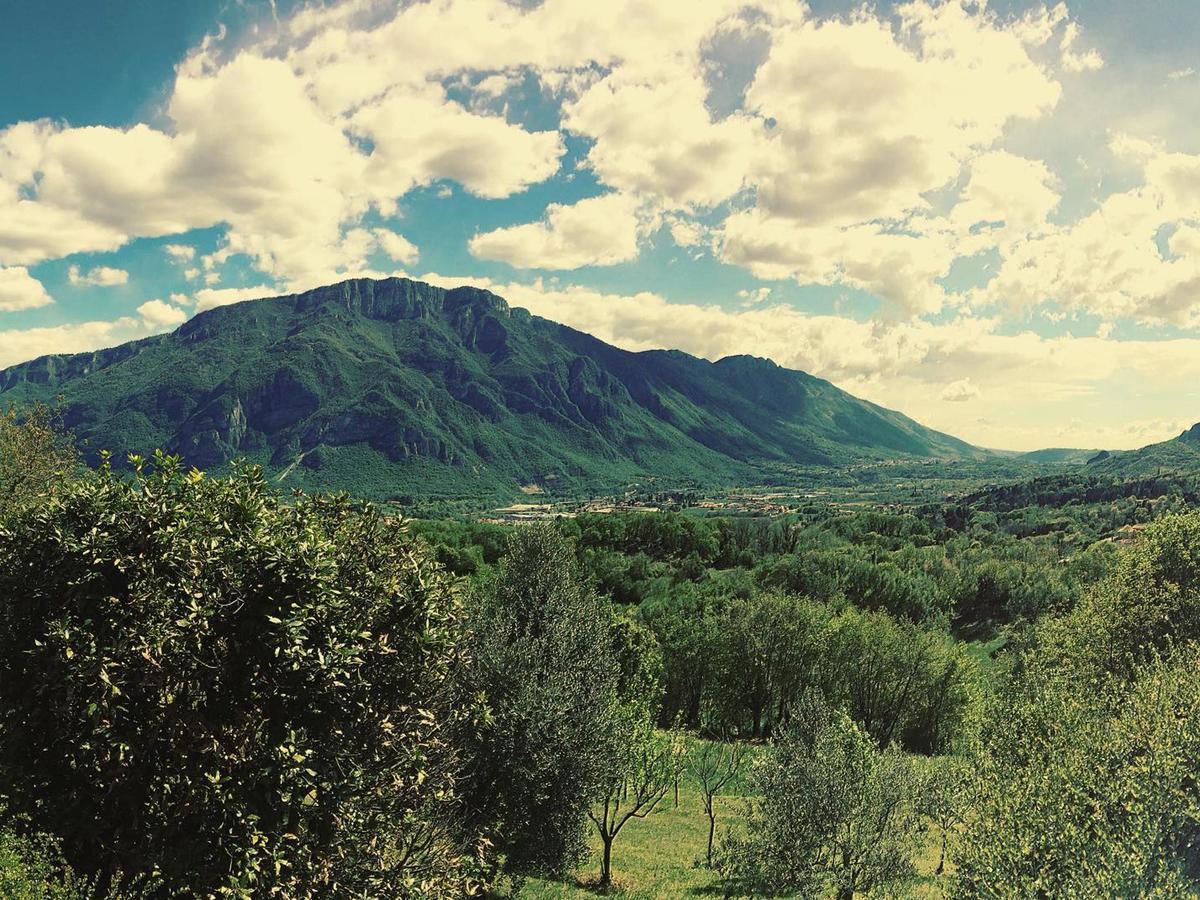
[397, 388]
[1178, 455]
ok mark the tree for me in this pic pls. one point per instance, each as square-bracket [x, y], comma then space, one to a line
[206, 690]
[771, 647]
[685, 624]
[547, 656]
[1088, 783]
[836, 813]
[715, 765]
[945, 798]
[1090, 793]
[639, 779]
[36, 456]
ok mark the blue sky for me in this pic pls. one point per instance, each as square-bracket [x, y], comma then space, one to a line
[986, 216]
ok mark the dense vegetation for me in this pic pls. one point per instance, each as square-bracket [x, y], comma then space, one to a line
[211, 689]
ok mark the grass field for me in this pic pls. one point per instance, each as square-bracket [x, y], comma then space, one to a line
[660, 857]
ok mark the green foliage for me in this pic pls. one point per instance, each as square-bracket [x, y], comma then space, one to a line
[835, 813]
[552, 666]
[36, 457]
[904, 684]
[1090, 792]
[1088, 782]
[32, 868]
[1150, 603]
[212, 692]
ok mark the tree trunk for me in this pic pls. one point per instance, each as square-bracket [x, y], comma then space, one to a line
[845, 893]
[677, 790]
[941, 866]
[712, 826]
[606, 862]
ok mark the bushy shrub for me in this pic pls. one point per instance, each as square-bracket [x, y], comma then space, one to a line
[208, 690]
[836, 814]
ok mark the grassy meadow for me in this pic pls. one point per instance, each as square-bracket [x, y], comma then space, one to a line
[661, 857]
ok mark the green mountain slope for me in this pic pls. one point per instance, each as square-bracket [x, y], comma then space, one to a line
[394, 388]
[1178, 455]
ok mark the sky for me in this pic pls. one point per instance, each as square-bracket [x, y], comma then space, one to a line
[984, 215]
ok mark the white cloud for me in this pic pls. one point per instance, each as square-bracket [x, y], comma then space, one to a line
[599, 231]
[1006, 198]
[685, 232]
[397, 247]
[422, 137]
[181, 254]
[1110, 262]
[754, 297]
[209, 298]
[1073, 60]
[899, 266]
[99, 276]
[847, 127]
[659, 139]
[20, 290]
[19, 345]
[960, 391]
[158, 314]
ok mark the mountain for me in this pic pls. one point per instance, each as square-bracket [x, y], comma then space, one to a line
[1064, 455]
[1178, 455]
[398, 388]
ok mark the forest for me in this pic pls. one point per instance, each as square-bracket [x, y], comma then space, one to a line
[212, 688]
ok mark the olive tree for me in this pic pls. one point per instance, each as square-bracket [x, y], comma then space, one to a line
[640, 775]
[945, 798]
[542, 647]
[1087, 785]
[715, 765]
[205, 690]
[836, 814]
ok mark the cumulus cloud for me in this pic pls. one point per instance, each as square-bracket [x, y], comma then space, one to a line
[159, 314]
[960, 391]
[830, 136]
[1075, 60]
[100, 276]
[180, 254]
[20, 290]
[1112, 262]
[599, 231]
[397, 247]
[210, 298]
[1006, 198]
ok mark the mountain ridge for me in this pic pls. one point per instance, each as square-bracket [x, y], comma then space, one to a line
[406, 387]
[1180, 454]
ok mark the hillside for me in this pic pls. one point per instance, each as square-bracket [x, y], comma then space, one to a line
[398, 388]
[1176, 456]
